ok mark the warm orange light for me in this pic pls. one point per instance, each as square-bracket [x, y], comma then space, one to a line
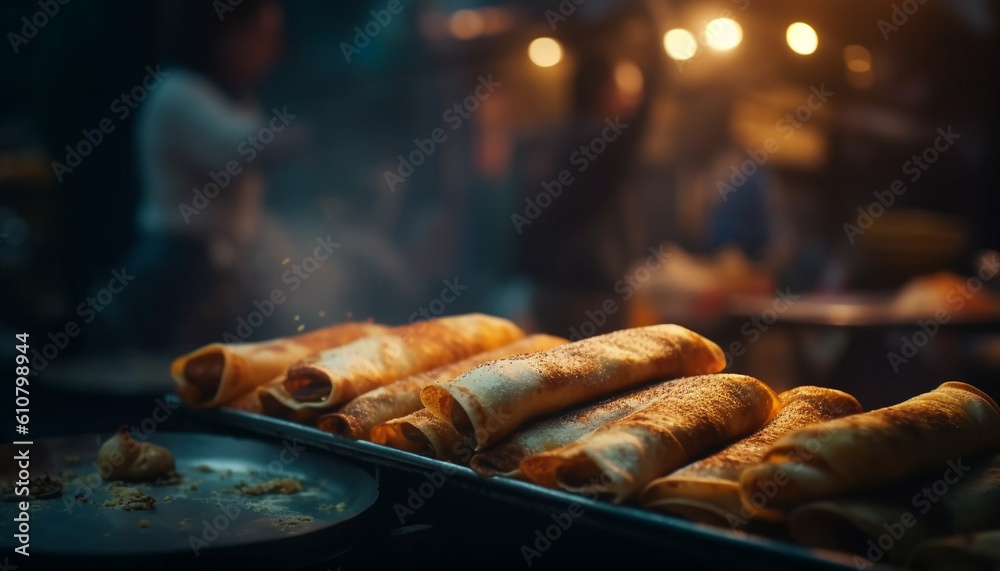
[723, 34]
[467, 24]
[857, 58]
[629, 78]
[802, 38]
[545, 52]
[680, 44]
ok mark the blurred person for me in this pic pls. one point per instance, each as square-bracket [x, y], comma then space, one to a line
[204, 233]
[579, 246]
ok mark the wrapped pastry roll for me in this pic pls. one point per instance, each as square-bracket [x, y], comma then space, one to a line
[708, 490]
[494, 399]
[218, 374]
[504, 459]
[875, 448]
[425, 434]
[959, 496]
[324, 382]
[402, 397]
[618, 460]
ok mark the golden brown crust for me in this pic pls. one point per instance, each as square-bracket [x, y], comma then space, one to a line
[554, 432]
[872, 449]
[695, 416]
[425, 434]
[494, 399]
[356, 419]
[220, 374]
[322, 383]
[708, 488]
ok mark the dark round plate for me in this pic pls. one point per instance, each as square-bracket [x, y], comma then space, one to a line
[205, 513]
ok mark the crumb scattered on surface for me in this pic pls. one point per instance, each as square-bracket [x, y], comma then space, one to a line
[39, 488]
[144, 523]
[193, 487]
[172, 478]
[277, 486]
[167, 498]
[130, 499]
[203, 468]
[184, 522]
[330, 507]
[294, 521]
[341, 506]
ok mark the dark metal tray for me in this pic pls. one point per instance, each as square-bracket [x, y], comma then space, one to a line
[673, 535]
[199, 517]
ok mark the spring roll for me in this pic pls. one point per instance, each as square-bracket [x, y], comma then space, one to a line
[424, 434]
[219, 373]
[875, 448]
[504, 459]
[618, 460]
[324, 382]
[494, 399]
[402, 397]
[959, 496]
[708, 490]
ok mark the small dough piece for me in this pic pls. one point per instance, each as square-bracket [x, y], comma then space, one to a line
[122, 458]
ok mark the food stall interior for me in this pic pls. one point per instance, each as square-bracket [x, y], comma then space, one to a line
[808, 186]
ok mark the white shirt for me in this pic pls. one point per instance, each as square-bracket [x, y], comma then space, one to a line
[187, 130]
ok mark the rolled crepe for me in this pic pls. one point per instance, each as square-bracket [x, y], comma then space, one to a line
[218, 374]
[402, 397]
[875, 448]
[425, 434]
[494, 399]
[322, 383]
[618, 460]
[504, 459]
[971, 552]
[250, 402]
[959, 496]
[708, 490]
